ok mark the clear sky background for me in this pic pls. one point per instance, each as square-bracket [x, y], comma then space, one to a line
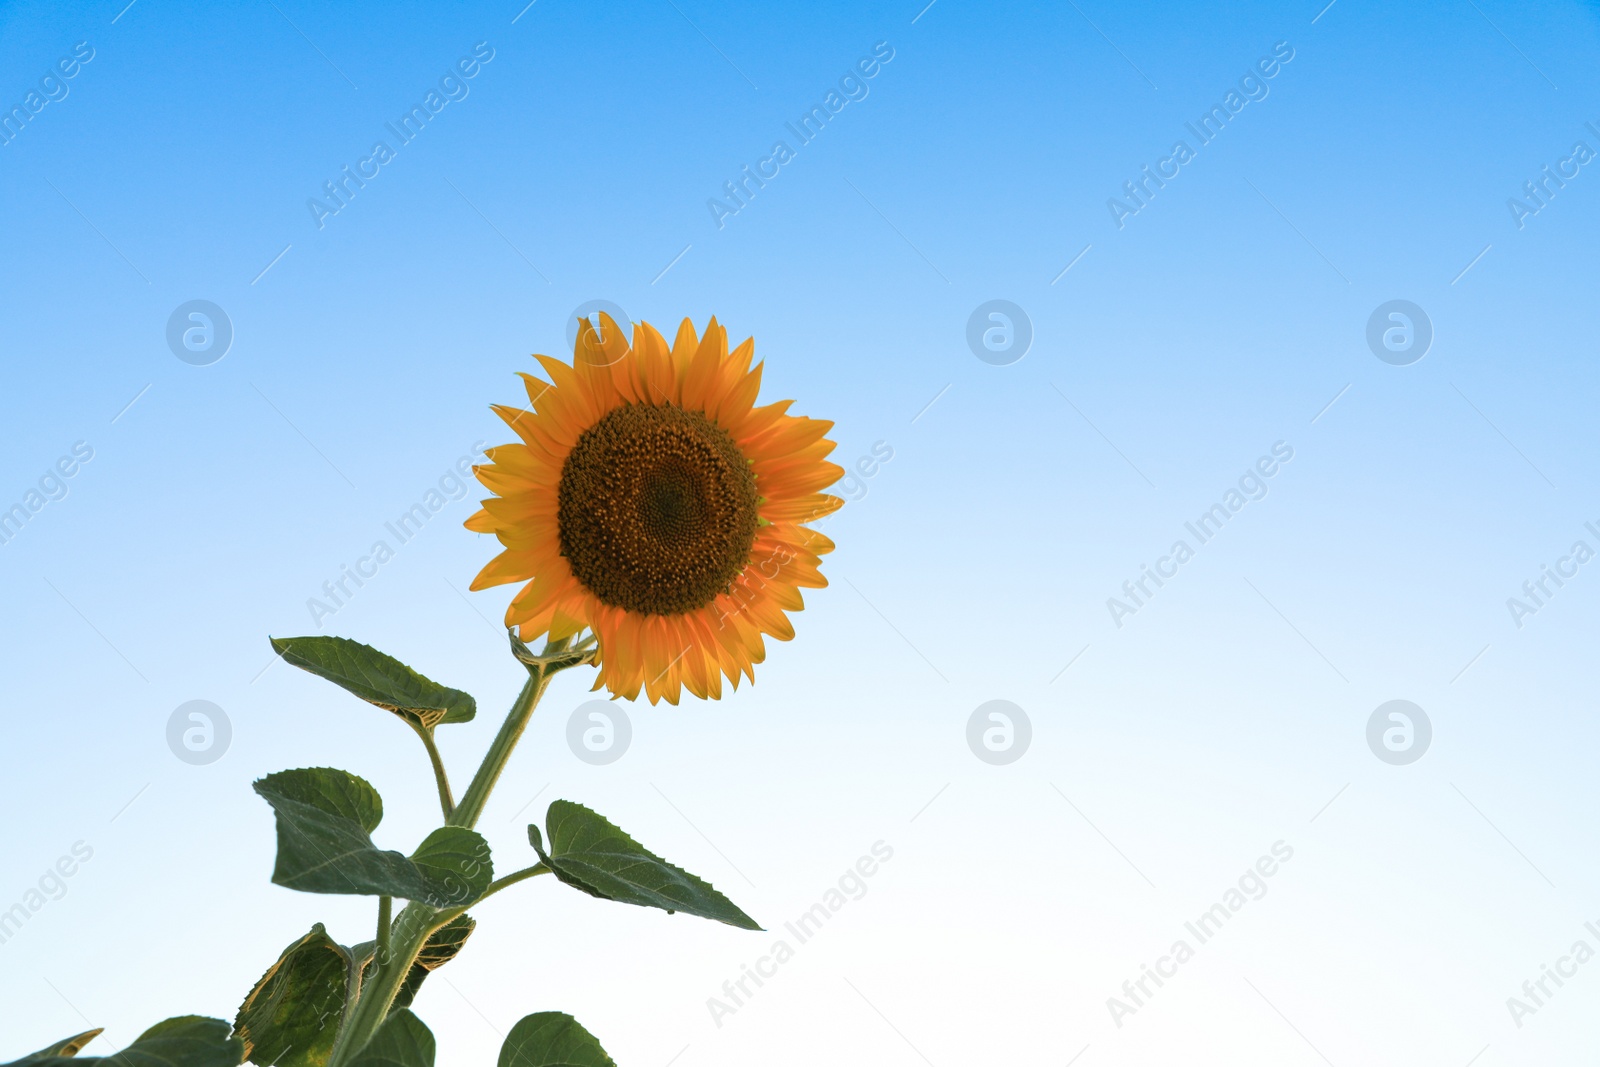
[1172, 346]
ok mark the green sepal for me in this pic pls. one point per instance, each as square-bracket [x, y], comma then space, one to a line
[291, 1017]
[589, 852]
[378, 679]
[558, 656]
[552, 1039]
[325, 818]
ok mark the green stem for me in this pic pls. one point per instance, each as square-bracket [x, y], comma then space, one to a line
[385, 921]
[494, 762]
[447, 801]
[354, 972]
[512, 879]
[495, 886]
[409, 933]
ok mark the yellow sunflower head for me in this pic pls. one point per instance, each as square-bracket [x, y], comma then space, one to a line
[651, 502]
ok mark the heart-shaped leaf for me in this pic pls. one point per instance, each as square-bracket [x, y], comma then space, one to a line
[455, 862]
[439, 950]
[378, 679]
[187, 1041]
[552, 1039]
[402, 1041]
[292, 1015]
[589, 853]
[325, 819]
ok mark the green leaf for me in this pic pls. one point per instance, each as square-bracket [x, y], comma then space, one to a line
[325, 819]
[336, 796]
[402, 1041]
[456, 861]
[439, 950]
[187, 1041]
[589, 853]
[72, 1045]
[378, 679]
[65, 1048]
[552, 1039]
[292, 1015]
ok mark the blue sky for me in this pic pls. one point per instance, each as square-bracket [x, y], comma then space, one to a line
[578, 163]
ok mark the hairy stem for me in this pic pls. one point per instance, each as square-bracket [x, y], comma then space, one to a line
[446, 917]
[447, 802]
[385, 921]
[354, 971]
[512, 879]
[409, 933]
[494, 762]
[541, 669]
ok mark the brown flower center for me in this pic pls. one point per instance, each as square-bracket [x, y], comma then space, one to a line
[657, 509]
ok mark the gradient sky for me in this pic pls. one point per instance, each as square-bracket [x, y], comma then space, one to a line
[1168, 754]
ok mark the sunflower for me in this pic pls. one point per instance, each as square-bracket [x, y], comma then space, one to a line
[651, 502]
